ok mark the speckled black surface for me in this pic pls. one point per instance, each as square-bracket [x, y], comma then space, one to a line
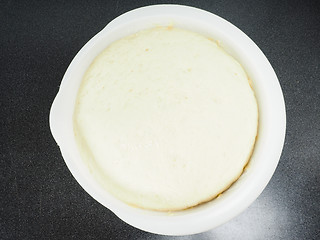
[40, 199]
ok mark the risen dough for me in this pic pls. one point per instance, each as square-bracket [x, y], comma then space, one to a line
[165, 119]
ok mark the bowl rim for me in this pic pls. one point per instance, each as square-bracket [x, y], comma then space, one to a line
[195, 220]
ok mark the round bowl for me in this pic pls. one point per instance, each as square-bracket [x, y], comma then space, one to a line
[271, 132]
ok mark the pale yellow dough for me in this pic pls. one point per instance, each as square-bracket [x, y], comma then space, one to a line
[165, 119]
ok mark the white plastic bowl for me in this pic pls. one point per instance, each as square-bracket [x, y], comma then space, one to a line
[272, 119]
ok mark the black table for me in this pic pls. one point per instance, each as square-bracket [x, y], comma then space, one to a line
[39, 197]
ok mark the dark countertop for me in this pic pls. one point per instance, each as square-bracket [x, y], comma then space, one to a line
[39, 197]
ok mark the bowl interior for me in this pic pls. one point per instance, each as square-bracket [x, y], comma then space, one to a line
[271, 119]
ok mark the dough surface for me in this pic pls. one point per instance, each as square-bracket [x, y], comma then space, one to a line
[165, 119]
